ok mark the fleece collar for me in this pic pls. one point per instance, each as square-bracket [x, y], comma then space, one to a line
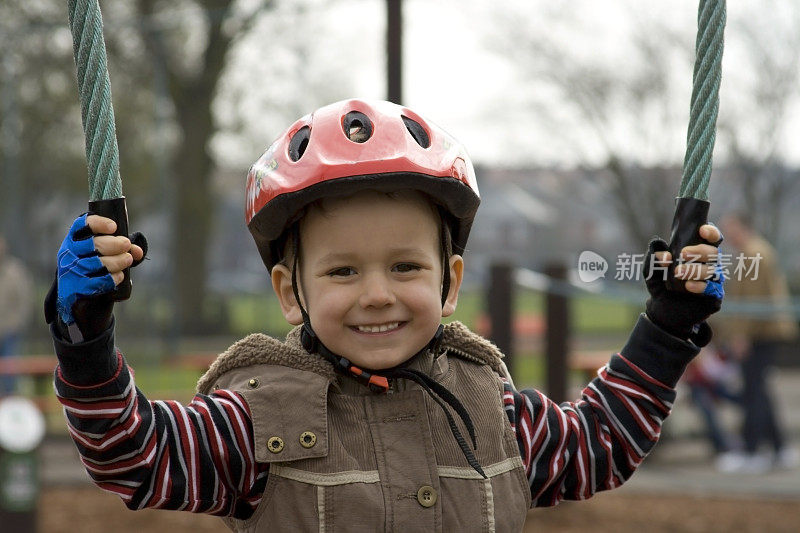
[255, 349]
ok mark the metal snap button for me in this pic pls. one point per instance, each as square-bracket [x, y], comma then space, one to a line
[253, 383]
[426, 496]
[275, 444]
[308, 439]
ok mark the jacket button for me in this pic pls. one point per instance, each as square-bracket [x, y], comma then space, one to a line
[308, 439]
[426, 496]
[253, 383]
[275, 444]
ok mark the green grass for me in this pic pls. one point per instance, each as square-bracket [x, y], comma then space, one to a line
[590, 314]
[529, 370]
[595, 314]
[249, 313]
[166, 383]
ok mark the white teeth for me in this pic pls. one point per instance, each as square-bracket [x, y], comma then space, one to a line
[379, 329]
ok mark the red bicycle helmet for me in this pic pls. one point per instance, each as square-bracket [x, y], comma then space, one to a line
[353, 145]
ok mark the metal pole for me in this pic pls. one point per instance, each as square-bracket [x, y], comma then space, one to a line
[394, 50]
[557, 336]
[501, 314]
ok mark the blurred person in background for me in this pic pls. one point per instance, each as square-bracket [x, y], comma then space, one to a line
[709, 377]
[15, 308]
[753, 340]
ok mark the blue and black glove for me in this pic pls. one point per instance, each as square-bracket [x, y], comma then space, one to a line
[681, 313]
[81, 299]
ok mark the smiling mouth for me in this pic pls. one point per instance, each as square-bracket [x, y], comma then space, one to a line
[378, 328]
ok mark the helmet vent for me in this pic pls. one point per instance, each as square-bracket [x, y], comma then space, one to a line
[357, 127]
[298, 143]
[417, 131]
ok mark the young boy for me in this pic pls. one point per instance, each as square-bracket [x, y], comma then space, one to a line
[361, 213]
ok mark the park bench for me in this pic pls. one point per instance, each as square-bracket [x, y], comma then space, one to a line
[587, 362]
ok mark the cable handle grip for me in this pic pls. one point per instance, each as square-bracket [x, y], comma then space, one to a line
[690, 214]
[116, 210]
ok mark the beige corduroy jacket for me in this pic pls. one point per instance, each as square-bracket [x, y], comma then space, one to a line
[342, 458]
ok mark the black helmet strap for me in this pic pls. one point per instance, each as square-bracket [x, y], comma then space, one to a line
[444, 238]
[295, 264]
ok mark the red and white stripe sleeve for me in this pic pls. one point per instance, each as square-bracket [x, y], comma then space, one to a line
[574, 449]
[162, 454]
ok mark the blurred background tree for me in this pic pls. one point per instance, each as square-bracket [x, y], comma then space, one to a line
[760, 116]
[616, 96]
[622, 116]
[167, 60]
[595, 93]
[40, 114]
[188, 44]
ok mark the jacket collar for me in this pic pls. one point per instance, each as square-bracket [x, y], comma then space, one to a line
[457, 341]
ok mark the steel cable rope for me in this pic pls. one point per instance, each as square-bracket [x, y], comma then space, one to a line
[704, 105]
[691, 205]
[97, 112]
[97, 117]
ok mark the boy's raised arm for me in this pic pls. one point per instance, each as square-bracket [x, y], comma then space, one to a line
[575, 449]
[159, 454]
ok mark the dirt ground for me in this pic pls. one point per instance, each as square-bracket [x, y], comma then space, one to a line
[88, 510]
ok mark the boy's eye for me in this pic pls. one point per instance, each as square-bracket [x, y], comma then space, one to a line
[341, 272]
[405, 267]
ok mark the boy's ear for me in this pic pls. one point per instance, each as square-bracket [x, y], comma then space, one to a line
[282, 285]
[456, 277]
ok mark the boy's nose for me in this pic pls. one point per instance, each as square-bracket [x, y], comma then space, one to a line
[376, 292]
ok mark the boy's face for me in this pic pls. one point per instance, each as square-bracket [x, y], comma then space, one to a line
[371, 277]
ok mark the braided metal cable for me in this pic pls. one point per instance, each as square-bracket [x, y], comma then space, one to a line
[705, 100]
[97, 113]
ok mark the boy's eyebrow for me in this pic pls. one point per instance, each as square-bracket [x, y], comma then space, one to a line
[334, 257]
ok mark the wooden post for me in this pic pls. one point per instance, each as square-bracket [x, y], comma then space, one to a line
[557, 335]
[501, 314]
[394, 50]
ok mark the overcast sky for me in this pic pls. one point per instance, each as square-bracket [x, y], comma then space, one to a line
[454, 75]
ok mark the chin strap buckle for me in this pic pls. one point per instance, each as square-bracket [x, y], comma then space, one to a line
[311, 343]
[374, 382]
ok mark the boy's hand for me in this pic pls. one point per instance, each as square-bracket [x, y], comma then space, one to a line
[115, 253]
[683, 314]
[90, 265]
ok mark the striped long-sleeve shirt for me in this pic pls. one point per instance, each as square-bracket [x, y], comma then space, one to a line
[200, 458]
